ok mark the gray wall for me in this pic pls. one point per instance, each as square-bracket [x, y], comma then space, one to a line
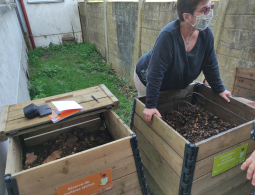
[13, 68]
[236, 47]
[125, 43]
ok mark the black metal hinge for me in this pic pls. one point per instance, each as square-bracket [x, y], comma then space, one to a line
[188, 167]
[11, 185]
[253, 132]
[104, 123]
[138, 163]
[13, 133]
[133, 112]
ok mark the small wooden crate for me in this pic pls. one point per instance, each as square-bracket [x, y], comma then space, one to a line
[174, 166]
[120, 156]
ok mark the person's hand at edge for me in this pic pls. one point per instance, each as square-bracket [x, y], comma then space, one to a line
[250, 162]
[224, 95]
[148, 112]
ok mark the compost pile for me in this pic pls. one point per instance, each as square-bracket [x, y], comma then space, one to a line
[194, 123]
[65, 144]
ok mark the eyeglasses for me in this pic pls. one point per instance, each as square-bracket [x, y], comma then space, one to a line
[207, 9]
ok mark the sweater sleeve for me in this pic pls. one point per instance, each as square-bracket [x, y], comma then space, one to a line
[161, 59]
[211, 68]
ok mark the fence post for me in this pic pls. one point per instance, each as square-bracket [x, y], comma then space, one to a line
[139, 27]
[87, 20]
[106, 32]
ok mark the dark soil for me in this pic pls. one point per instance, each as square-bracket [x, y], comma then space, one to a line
[69, 143]
[194, 123]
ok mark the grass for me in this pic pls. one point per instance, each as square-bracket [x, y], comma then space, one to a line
[60, 69]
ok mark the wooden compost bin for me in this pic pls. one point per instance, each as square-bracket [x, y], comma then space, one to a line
[117, 155]
[164, 150]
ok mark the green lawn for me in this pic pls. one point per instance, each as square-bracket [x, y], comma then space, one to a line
[60, 69]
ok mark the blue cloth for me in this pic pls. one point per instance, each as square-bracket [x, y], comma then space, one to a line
[168, 66]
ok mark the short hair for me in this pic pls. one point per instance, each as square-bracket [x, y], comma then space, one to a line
[187, 6]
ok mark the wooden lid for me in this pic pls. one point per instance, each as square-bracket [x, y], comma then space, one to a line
[13, 121]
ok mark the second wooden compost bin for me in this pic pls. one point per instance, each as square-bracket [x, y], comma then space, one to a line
[121, 155]
[173, 166]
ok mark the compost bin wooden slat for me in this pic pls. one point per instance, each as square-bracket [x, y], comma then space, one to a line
[247, 93]
[245, 73]
[117, 128]
[233, 81]
[226, 185]
[110, 95]
[3, 120]
[156, 159]
[14, 156]
[136, 191]
[207, 181]
[89, 126]
[171, 157]
[224, 140]
[22, 123]
[245, 83]
[41, 101]
[166, 96]
[169, 135]
[121, 169]
[61, 169]
[62, 124]
[81, 99]
[222, 113]
[245, 188]
[162, 182]
[205, 165]
[131, 182]
[236, 106]
[153, 186]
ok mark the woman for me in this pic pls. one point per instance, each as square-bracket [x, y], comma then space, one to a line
[183, 49]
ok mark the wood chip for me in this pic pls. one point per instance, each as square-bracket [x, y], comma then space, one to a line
[55, 155]
[101, 128]
[71, 142]
[91, 138]
[30, 158]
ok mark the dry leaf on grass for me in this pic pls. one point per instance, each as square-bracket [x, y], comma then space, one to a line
[30, 158]
[55, 155]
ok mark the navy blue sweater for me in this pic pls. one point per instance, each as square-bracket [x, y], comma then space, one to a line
[169, 66]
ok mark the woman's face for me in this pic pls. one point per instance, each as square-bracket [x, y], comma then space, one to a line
[199, 11]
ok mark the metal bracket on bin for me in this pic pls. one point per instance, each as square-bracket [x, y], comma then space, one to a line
[104, 123]
[194, 98]
[188, 167]
[11, 185]
[138, 163]
[133, 112]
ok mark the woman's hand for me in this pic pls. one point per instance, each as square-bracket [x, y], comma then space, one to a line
[148, 112]
[250, 162]
[224, 95]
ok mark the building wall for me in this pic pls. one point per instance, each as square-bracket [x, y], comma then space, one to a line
[236, 47]
[97, 26]
[13, 70]
[122, 37]
[51, 21]
[155, 16]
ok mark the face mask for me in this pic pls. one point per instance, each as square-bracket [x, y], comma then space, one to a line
[202, 21]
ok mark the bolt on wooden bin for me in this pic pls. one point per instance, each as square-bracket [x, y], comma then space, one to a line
[121, 155]
[173, 166]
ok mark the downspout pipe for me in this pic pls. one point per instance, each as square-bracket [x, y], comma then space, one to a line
[22, 24]
[20, 18]
[28, 24]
